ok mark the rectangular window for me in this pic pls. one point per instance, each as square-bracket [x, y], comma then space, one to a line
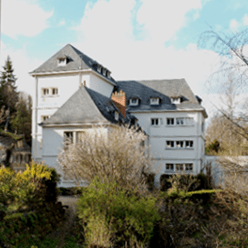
[180, 121]
[154, 101]
[189, 143]
[169, 144]
[68, 138]
[179, 144]
[169, 167]
[154, 121]
[45, 91]
[44, 117]
[179, 167]
[170, 121]
[189, 167]
[54, 91]
[134, 101]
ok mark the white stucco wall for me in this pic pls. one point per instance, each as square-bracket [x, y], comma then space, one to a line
[98, 84]
[53, 145]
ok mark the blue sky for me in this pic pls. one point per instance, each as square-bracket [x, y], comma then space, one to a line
[135, 39]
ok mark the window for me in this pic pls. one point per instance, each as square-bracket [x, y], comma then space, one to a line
[179, 144]
[68, 138]
[108, 74]
[116, 115]
[62, 61]
[169, 167]
[189, 167]
[179, 167]
[45, 91]
[99, 68]
[44, 117]
[170, 121]
[154, 101]
[180, 121]
[54, 91]
[189, 143]
[175, 100]
[134, 101]
[154, 121]
[169, 144]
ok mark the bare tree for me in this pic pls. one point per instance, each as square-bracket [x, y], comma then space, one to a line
[117, 155]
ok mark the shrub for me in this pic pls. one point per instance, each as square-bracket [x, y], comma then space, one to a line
[123, 159]
[123, 216]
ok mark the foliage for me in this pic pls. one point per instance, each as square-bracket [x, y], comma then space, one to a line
[124, 218]
[28, 203]
[21, 121]
[122, 160]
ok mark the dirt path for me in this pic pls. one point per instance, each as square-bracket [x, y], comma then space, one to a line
[64, 230]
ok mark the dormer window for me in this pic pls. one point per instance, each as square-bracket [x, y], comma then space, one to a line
[154, 100]
[103, 71]
[108, 74]
[62, 61]
[176, 100]
[116, 115]
[134, 101]
[99, 68]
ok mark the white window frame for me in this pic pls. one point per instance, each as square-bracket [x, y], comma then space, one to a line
[176, 100]
[56, 91]
[117, 115]
[189, 144]
[134, 101]
[45, 92]
[44, 117]
[179, 144]
[189, 167]
[155, 122]
[62, 61]
[180, 166]
[154, 101]
[180, 121]
[170, 144]
[170, 121]
[170, 167]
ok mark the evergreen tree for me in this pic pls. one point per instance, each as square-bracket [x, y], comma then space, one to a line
[8, 93]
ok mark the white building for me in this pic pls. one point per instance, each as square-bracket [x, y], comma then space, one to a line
[75, 93]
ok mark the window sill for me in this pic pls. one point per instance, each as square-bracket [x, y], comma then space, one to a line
[49, 96]
[179, 148]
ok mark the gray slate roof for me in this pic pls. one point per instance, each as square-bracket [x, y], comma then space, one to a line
[164, 89]
[83, 107]
[76, 61]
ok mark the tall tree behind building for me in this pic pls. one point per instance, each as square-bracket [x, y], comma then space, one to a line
[21, 120]
[8, 92]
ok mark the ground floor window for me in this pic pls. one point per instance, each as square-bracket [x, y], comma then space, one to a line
[179, 167]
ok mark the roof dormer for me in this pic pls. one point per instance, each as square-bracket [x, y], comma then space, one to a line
[176, 99]
[62, 61]
[154, 100]
[134, 101]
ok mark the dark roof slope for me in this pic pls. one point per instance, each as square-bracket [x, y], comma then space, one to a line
[84, 107]
[164, 89]
[76, 61]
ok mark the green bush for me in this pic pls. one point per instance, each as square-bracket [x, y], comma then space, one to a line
[120, 216]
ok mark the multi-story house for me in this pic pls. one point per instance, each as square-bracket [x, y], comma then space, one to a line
[75, 93]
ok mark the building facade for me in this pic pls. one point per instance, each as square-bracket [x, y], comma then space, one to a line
[75, 93]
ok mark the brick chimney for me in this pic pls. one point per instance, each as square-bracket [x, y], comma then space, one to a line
[119, 99]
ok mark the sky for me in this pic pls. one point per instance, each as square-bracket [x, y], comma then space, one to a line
[134, 39]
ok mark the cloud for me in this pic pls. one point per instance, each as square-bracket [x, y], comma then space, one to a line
[62, 23]
[23, 17]
[234, 25]
[22, 64]
[161, 19]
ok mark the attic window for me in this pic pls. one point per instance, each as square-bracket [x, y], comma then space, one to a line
[116, 115]
[99, 68]
[134, 101]
[62, 61]
[104, 71]
[176, 100]
[154, 100]
[108, 74]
